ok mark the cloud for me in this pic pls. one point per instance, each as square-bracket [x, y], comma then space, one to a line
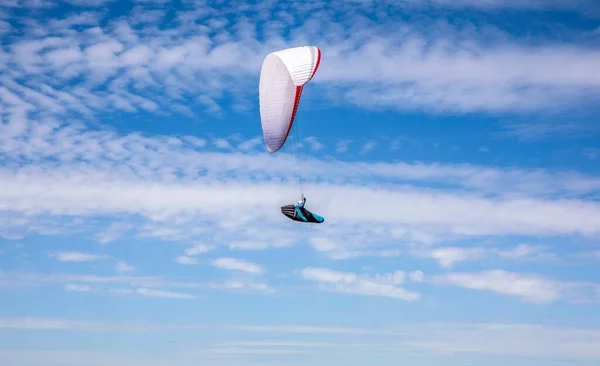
[95, 162]
[45, 279]
[81, 288]
[64, 173]
[78, 257]
[244, 286]
[186, 260]
[367, 147]
[342, 146]
[535, 131]
[351, 283]
[195, 250]
[115, 231]
[445, 68]
[539, 5]
[449, 256]
[543, 342]
[105, 186]
[198, 249]
[416, 276]
[163, 294]
[233, 264]
[144, 286]
[314, 143]
[592, 154]
[526, 252]
[124, 267]
[529, 287]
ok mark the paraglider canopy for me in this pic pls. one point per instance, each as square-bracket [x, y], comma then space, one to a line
[282, 78]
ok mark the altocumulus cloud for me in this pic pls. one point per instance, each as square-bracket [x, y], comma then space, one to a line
[62, 172]
[59, 173]
[127, 67]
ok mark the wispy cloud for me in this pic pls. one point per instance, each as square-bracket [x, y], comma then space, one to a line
[448, 256]
[128, 66]
[234, 264]
[345, 282]
[514, 4]
[342, 146]
[124, 267]
[533, 131]
[524, 340]
[198, 249]
[529, 287]
[144, 286]
[314, 143]
[368, 147]
[244, 286]
[191, 200]
[80, 288]
[592, 154]
[186, 260]
[114, 231]
[163, 294]
[78, 257]
[63, 172]
[96, 162]
[192, 252]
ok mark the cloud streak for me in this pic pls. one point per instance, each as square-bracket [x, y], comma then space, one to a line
[528, 287]
[78, 257]
[344, 282]
[234, 264]
[457, 70]
[520, 340]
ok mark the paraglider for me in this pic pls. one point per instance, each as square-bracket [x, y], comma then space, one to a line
[283, 76]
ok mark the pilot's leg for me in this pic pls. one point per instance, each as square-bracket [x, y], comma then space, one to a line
[299, 212]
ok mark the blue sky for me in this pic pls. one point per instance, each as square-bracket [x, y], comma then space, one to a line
[452, 147]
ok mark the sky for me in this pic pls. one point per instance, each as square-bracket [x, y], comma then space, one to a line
[453, 148]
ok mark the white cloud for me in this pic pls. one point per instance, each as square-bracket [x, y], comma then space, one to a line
[124, 267]
[78, 257]
[592, 154]
[526, 252]
[345, 282]
[449, 256]
[250, 144]
[528, 287]
[543, 342]
[244, 286]
[343, 248]
[444, 68]
[115, 231]
[314, 143]
[147, 286]
[163, 294]
[234, 264]
[342, 146]
[186, 260]
[368, 147]
[254, 351]
[175, 208]
[81, 288]
[416, 276]
[198, 249]
[222, 144]
[61, 176]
